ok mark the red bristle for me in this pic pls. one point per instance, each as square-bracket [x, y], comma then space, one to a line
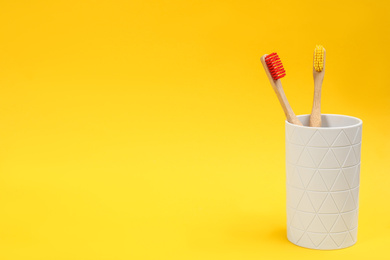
[275, 66]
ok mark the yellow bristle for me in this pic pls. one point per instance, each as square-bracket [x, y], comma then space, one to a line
[319, 58]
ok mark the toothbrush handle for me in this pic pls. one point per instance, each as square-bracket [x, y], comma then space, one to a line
[315, 117]
[291, 117]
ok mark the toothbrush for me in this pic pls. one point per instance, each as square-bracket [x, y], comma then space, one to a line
[318, 75]
[274, 69]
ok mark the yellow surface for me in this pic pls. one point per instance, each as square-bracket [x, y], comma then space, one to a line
[148, 129]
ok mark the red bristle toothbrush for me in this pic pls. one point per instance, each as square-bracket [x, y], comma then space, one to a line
[274, 69]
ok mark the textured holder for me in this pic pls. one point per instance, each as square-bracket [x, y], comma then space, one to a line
[322, 181]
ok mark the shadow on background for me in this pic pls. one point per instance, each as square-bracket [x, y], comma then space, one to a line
[254, 233]
[264, 229]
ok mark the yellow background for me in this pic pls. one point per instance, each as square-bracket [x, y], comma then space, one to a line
[148, 129]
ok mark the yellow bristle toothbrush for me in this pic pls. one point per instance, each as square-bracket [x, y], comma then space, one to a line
[318, 75]
[274, 69]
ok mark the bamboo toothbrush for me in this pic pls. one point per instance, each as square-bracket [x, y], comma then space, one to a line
[274, 69]
[318, 75]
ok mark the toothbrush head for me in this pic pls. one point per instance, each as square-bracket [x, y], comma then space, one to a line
[275, 66]
[319, 58]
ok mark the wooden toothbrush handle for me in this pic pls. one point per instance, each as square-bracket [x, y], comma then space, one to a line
[315, 117]
[291, 117]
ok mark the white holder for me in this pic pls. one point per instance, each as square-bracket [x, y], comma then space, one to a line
[322, 181]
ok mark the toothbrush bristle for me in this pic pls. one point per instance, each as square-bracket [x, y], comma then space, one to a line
[319, 58]
[275, 66]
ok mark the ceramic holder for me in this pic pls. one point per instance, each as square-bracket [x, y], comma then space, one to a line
[322, 181]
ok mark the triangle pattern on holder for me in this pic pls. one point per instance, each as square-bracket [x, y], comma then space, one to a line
[329, 176]
[351, 159]
[294, 196]
[330, 135]
[341, 183]
[348, 241]
[316, 198]
[306, 175]
[305, 204]
[328, 220]
[339, 238]
[351, 133]
[296, 234]
[306, 134]
[340, 198]
[317, 140]
[306, 241]
[296, 223]
[293, 152]
[356, 181]
[355, 196]
[317, 154]
[339, 225]
[296, 138]
[341, 153]
[328, 243]
[316, 226]
[316, 183]
[289, 132]
[289, 172]
[357, 150]
[305, 159]
[358, 137]
[328, 206]
[329, 161]
[350, 174]
[350, 219]
[317, 238]
[341, 140]
[290, 215]
[349, 204]
[290, 235]
[295, 180]
[353, 233]
[306, 218]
